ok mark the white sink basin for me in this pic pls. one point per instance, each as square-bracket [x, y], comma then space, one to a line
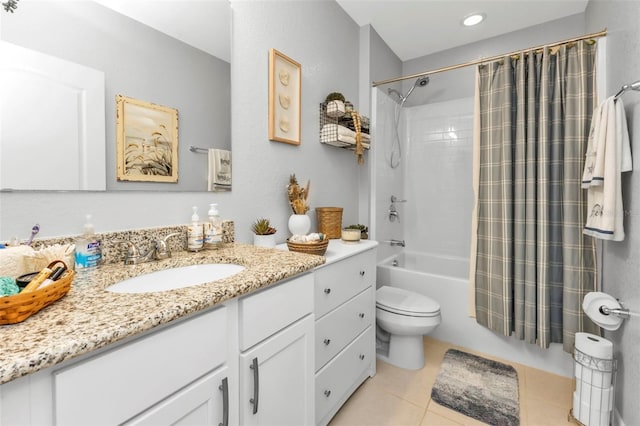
[171, 279]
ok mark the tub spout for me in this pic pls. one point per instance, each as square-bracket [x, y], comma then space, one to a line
[395, 242]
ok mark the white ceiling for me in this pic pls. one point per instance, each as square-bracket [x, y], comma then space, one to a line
[420, 27]
[411, 28]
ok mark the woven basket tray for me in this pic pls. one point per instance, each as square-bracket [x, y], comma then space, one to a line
[317, 248]
[19, 307]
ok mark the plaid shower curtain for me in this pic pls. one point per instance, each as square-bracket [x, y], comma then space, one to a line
[533, 265]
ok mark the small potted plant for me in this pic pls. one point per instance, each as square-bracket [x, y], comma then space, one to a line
[335, 104]
[264, 233]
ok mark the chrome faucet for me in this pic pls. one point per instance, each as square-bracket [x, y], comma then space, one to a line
[395, 243]
[157, 251]
[393, 212]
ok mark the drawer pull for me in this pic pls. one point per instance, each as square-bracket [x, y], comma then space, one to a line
[327, 392]
[256, 384]
[361, 314]
[327, 341]
[361, 356]
[362, 273]
[224, 387]
[327, 290]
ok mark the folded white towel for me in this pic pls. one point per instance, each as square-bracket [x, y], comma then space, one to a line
[608, 155]
[219, 170]
[335, 133]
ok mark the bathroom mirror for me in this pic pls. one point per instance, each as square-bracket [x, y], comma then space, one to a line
[136, 61]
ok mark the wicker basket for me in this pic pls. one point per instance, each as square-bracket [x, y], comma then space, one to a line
[318, 248]
[330, 221]
[19, 307]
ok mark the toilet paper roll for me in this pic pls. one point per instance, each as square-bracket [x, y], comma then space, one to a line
[594, 346]
[12, 261]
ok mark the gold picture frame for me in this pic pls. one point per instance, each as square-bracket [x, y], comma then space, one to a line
[285, 81]
[146, 141]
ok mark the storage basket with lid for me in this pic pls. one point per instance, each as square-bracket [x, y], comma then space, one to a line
[330, 221]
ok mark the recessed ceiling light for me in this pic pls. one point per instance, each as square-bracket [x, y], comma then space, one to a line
[473, 19]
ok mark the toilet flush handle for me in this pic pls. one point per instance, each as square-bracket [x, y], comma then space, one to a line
[327, 290]
[362, 273]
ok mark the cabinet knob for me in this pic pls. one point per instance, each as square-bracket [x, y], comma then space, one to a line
[361, 356]
[327, 341]
[362, 273]
[361, 314]
[327, 392]
[327, 290]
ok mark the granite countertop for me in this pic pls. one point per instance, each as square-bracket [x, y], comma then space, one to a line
[89, 318]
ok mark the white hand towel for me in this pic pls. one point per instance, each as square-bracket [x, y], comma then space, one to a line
[219, 170]
[612, 157]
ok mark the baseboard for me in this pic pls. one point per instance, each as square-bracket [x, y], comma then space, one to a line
[617, 419]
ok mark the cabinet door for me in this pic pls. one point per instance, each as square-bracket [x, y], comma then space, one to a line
[277, 378]
[205, 402]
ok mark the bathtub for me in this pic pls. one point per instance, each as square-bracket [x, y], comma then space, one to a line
[445, 280]
[422, 272]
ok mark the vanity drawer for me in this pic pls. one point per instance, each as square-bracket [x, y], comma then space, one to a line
[116, 385]
[340, 375]
[336, 329]
[337, 282]
[270, 310]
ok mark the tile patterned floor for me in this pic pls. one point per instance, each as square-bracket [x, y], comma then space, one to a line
[397, 397]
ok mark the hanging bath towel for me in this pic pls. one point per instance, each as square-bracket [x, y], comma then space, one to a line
[219, 170]
[608, 155]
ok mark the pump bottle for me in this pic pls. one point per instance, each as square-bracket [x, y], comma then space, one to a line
[194, 232]
[213, 228]
[88, 252]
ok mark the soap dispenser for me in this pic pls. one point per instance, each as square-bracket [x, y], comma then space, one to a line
[213, 228]
[194, 232]
[88, 251]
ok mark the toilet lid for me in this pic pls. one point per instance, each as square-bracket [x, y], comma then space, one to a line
[405, 302]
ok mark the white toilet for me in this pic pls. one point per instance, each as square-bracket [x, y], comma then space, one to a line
[404, 317]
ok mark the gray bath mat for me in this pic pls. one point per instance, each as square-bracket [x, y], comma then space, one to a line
[477, 387]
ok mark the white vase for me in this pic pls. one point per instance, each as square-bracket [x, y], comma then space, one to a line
[299, 224]
[264, 240]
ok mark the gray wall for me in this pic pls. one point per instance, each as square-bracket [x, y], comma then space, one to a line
[621, 260]
[325, 41]
[320, 36]
[138, 62]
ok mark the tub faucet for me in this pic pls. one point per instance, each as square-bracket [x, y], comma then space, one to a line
[395, 243]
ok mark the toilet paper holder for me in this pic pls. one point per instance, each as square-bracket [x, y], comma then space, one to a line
[605, 310]
[621, 312]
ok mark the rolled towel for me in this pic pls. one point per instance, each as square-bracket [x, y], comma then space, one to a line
[12, 260]
[8, 286]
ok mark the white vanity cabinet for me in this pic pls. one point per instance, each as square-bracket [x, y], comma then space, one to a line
[161, 378]
[344, 299]
[276, 358]
[198, 370]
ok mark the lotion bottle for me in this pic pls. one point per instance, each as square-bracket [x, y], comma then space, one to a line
[195, 232]
[213, 228]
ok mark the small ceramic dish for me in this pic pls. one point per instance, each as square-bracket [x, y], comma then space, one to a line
[351, 235]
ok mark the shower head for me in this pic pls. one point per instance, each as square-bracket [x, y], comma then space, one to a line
[420, 82]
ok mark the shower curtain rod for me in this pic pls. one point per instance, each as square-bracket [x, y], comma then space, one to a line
[490, 59]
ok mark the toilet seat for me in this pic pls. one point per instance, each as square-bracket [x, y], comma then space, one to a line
[403, 302]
